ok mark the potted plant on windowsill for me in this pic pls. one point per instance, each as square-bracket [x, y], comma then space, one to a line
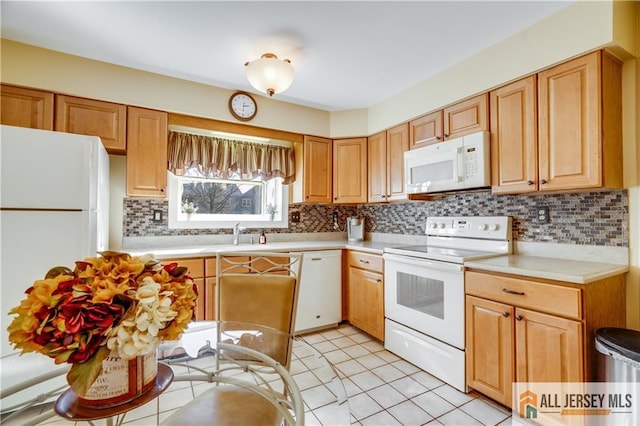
[188, 208]
[271, 210]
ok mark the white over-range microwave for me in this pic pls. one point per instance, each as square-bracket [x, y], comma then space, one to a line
[460, 163]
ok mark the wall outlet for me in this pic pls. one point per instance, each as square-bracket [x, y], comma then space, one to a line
[295, 217]
[542, 214]
[157, 216]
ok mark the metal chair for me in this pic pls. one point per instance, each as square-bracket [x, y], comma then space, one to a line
[257, 288]
[260, 288]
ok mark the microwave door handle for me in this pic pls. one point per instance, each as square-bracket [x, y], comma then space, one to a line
[458, 169]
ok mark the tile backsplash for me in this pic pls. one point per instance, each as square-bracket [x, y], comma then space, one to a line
[587, 218]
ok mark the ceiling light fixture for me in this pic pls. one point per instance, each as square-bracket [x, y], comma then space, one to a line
[270, 74]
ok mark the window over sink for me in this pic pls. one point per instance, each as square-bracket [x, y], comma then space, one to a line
[216, 180]
[198, 202]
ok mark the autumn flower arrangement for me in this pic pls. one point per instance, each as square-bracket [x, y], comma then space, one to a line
[112, 302]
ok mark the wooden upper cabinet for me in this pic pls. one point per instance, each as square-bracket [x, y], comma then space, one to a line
[96, 118]
[397, 144]
[317, 170]
[514, 137]
[146, 152]
[385, 152]
[463, 118]
[579, 127]
[26, 107]
[350, 170]
[377, 164]
[426, 130]
[466, 117]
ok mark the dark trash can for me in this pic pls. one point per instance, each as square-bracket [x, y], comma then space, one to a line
[618, 355]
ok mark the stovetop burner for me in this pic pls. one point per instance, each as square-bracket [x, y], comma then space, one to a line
[444, 254]
[460, 239]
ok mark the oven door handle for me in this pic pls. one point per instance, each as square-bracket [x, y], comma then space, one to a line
[414, 261]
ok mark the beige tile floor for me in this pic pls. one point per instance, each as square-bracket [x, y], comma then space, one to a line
[382, 389]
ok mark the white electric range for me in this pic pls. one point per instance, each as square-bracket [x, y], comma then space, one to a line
[424, 291]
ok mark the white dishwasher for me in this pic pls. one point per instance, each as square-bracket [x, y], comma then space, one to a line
[320, 298]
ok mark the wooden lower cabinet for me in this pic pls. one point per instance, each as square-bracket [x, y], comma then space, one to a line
[548, 348]
[520, 329]
[490, 344]
[365, 281]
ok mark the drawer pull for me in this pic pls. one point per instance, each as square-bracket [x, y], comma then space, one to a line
[517, 293]
[363, 261]
[505, 314]
[316, 258]
[519, 317]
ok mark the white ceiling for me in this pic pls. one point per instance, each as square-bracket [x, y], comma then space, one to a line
[346, 54]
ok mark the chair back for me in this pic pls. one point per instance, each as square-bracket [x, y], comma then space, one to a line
[260, 288]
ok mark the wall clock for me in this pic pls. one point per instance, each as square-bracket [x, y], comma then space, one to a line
[243, 106]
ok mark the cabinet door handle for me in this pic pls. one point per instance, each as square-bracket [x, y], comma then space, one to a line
[446, 135]
[363, 261]
[517, 293]
[519, 317]
[316, 258]
[432, 138]
[543, 181]
[379, 280]
[505, 314]
[529, 182]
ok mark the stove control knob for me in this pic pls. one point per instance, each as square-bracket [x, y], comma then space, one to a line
[442, 225]
[482, 226]
[493, 227]
[433, 225]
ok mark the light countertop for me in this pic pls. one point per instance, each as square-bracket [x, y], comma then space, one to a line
[574, 271]
[282, 246]
[531, 263]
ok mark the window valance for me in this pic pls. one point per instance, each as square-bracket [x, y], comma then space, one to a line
[220, 157]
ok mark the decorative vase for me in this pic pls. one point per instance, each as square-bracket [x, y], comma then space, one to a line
[271, 215]
[121, 380]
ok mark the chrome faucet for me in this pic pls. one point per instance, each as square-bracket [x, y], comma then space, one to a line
[236, 233]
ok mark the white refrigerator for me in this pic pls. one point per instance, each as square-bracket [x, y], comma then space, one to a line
[54, 209]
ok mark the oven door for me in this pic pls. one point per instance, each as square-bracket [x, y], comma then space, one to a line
[425, 295]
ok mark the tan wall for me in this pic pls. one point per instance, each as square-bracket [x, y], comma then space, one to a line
[31, 66]
[117, 190]
[579, 28]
